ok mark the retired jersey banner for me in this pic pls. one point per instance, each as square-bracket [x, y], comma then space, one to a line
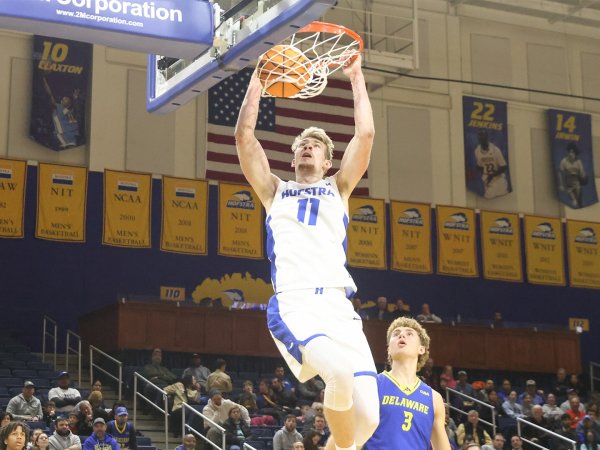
[411, 237]
[127, 200]
[366, 233]
[544, 250]
[184, 216]
[13, 175]
[61, 72]
[486, 147]
[457, 254]
[584, 254]
[240, 222]
[501, 246]
[572, 157]
[61, 203]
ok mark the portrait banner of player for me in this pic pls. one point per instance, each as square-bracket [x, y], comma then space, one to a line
[367, 233]
[184, 216]
[544, 250]
[13, 175]
[240, 222]
[486, 147]
[411, 237]
[456, 241]
[61, 203]
[60, 86]
[572, 157]
[584, 254]
[501, 246]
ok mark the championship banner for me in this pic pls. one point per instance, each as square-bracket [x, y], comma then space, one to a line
[13, 176]
[184, 216]
[486, 147]
[584, 254]
[127, 200]
[61, 72]
[572, 157]
[366, 233]
[544, 250]
[457, 253]
[61, 203]
[501, 246]
[411, 237]
[240, 222]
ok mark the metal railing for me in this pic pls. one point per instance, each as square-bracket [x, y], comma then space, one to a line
[47, 334]
[474, 400]
[76, 351]
[521, 422]
[118, 378]
[186, 427]
[165, 398]
[592, 376]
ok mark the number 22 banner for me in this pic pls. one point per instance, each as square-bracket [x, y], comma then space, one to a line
[486, 147]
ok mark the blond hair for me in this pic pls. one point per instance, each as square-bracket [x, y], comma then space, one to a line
[318, 134]
[407, 322]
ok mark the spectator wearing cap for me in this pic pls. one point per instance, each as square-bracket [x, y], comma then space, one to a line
[566, 405]
[122, 430]
[185, 391]
[64, 396]
[536, 395]
[462, 385]
[587, 424]
[25, 406]
[217, 410]
[219, 379]
[198, 370]
[100, 440]
[62, 438]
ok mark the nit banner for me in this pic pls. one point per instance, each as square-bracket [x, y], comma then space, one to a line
[486, 147]
[544, 250]
[457, 254]
[366, 233]
[62, 197]
[584, 254]
[411, 237]
[12, 197]
[240, 222]
[184, 216]
[127, 209]
[501, 246]
[572, 158]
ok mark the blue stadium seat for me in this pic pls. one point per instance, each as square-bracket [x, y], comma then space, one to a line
[5, 355]
[38, 365]
[252, 376]
[261, 432]
[146, 447]
[258, 445]
[23, 356]
[51, 374]
[41, 383]
[4, 402]
[3, 391]
[36, 424]
[15, 390]
[16, 348]
[14, 364]
[24, 373]
[5, 372]
[143, 441]
[11, 382]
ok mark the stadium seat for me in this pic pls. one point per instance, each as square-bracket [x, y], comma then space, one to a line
[23, 356]
[252, 376]
[143, 441]
[261, 432]
[11, 382]
[258, 445]
[14, 364]
[25, 373]
[40, 383]
[5, 372]
[38, 365]
[3, 391]
[51, 374]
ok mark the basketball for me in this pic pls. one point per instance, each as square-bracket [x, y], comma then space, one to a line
[283, 71]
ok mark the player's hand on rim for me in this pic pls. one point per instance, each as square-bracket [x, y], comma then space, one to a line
[353, 66]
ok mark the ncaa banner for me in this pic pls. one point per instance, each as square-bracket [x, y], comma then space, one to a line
[486, 147]
[366, 233]
[572, 157]
[240, 222]
[13, 175]
[184, 216]
[61, 72]
[501, 246]
[411, 237]
[127, 200]
[584, 254]
[544, 250]
[61, 203]
[457, 253]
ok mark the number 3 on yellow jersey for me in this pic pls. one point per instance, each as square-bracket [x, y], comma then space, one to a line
[407, 420]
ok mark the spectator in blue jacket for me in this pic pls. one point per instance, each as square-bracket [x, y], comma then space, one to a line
[100, 440]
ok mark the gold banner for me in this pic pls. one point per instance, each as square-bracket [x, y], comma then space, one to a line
[501, 246]
[411, 237]
[127, 200]
[13, 176]
[240, 222]
[584, 254]
[366, 233]
[184, 216]
[544, 250]
[457, 254]
[61, 203]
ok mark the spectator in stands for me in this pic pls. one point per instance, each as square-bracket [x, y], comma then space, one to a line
[536, 395]
[64, 396]
[285, 399]
[248, 398]
[217, 410]
[497, 443]
[198, 370]
[552, 412]
[285, 438]
[511, 407]
[474, 429]
[62, 438]
[157, 374]
[311, 440]
[465, 387]
[25, 406]
[590, 442]
[96, 402]
[490, 385]
[381, 311]
[14, 436]
[526, 405]
[298, 445]
[49, 413]
[498, 321]
[73, 422]
[184, 391]
[505, 390]
[122, 430]
[534, 434]
[41, 442]
[587, 424]
[402, 309]
[451, 429]
[428, 375]
[219, 379]
[85, 423]
[97, 386]
[34, 434]
[575, 411]
[358, 309]
[6, 419]
[237, 430]
[494, 401]
[310, 389]
[592, 410]
[560, 385]
[267, 402]
[320, 426]
[100, 440]
[189, 443]
[427, 316]
[576, 384]
[567, 431]
[448, 376]
[285, 381]
[516, 443]
[566, 405]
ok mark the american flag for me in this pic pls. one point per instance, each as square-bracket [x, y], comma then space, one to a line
[279, 122]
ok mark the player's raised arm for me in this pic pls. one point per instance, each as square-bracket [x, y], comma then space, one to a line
[358, 153]
[439, 438]
[253, 159]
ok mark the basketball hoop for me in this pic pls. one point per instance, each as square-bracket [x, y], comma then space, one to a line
[324, 48]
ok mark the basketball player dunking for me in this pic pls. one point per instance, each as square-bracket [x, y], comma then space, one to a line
[310, 316]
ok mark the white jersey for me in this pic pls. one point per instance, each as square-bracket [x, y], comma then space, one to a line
[489, 160]
[306, 237]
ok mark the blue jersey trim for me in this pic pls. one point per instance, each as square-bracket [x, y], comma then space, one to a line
[271, 253]
[365, 373]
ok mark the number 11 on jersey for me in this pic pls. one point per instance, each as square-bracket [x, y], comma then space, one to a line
[314, 210]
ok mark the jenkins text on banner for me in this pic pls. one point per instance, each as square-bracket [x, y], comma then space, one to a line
[61, 203]
[456, 241]
[127, 209]
[184, 216]
[544, 250]
[411, 237]
[584, 254]
[12, 197]
[366, 233]
[501, 246]
[240, 222]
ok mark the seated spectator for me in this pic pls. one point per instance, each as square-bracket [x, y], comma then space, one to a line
[552, 412]
[587, 424]
[402, 309]
[497, 443]
[33, 436]
[122, 430]
[465, 387]
[85, 419]
[358, 308]
[157, 374]
[474, 429]
[448, 376]
[494, 401]
[309, 390]
[41, 442]
[505, 390]
[6, 419]
[451, 429]
[189, 443]
[311, 440]
[64, 396]
[526, 405]
[62, 438]
[511, 407]
[575, 412]
[99, 438]
[73, 422]
[217, 410]
[320, 426]
[560, 385]
[236, 430]
[498, 321]
[592, 410]
[267, 402]
[219, 379]
[298, 445]
[565, 430]
[248, 398]
[566, 405]
[112, 412]
[285, 399]
[516, 443]
[184, 391]
[14, 436]
[489, 386]
[427, 316]
[285, 438]
[380, 311]
[25, 406]
[96, 402]
[576, 384]
[49, 414]
[285, 381]
[536, 395]
[97, 387]
[427, 374]
[534, 434]
[198, 370]
[590, 442]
